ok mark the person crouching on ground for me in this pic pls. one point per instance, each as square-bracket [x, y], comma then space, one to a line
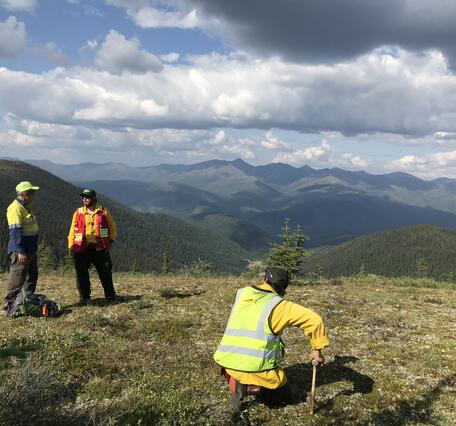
[22, 244]
[92, 232]
[251, 348]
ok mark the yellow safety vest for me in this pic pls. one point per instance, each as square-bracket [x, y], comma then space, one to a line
[249, 343]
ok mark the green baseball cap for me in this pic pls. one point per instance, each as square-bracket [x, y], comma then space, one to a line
[25, 186]
[88, 193]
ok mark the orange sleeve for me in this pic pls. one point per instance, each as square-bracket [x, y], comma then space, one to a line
[112, 231]
[71, 232]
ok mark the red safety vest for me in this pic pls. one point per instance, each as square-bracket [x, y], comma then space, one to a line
[101, 231]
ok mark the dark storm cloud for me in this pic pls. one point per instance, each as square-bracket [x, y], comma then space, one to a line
[331, 30]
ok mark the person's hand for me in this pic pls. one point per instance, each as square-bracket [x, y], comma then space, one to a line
[317, 356]
[21, 258]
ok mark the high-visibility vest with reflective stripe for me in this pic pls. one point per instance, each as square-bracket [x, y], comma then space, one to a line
[248, 343]
[101, 230]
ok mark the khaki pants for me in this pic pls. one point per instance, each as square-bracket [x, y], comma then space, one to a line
[22, 276]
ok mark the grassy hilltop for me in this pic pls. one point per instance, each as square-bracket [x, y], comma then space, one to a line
[392, 358]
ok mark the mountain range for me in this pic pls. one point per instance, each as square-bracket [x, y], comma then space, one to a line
[249, 204]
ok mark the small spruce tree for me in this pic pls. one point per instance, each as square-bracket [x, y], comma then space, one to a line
[46, 258]
[67, 264]
[134, 267]
[288, 253]
[166, 258]
[422, 267]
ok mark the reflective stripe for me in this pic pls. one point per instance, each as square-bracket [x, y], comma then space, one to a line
[15, 226]
[267, 310]
[255, 334]
[103, 232]
[270, 354]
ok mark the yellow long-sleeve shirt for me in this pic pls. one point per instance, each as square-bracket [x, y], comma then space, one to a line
[285, 314]
[89, 219]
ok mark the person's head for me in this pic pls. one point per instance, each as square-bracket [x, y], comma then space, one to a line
[89, 197]
[25, 191]
[277, 278]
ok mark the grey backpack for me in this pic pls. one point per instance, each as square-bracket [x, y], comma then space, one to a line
[34, 305]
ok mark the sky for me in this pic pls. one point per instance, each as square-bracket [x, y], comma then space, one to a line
[356, 84]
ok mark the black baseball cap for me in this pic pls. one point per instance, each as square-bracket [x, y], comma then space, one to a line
[88, 193]
[278, 278]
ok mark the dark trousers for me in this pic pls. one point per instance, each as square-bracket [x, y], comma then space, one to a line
[103, 264]
[22, 276]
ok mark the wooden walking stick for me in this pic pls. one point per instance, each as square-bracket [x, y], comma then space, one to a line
[315, 364]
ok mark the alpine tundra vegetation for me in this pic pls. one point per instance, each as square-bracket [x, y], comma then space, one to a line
[149, 360]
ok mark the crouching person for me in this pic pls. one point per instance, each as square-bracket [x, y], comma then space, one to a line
[251, 348]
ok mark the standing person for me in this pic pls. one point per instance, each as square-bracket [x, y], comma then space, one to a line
[22, 244]
[251, 348]
[92, 232]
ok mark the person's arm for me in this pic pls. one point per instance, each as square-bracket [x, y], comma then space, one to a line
[71, 232]
[112, 227]
[289, 314]
[14, 218]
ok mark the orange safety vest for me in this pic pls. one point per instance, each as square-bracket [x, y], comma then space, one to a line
[101, 231]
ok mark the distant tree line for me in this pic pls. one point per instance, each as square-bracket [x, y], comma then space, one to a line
[419, 251]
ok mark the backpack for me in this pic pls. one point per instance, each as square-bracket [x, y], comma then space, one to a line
[33, 305]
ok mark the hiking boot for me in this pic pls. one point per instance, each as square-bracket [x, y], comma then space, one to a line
[85, 302]
[253, 390]
[237, 392]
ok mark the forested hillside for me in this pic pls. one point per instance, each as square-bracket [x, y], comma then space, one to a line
[142, 236]
[247, 235]
[420, 251]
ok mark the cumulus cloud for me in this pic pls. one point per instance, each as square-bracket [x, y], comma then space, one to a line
[54, 54]
[324, 30]
[407, 95]
[322, 155]
[170, 57]
[18, 5]
[117, 54]
[303, 156]
[149, 17]
[429, 166]
[308, 30]
[15, 138]
[89, 45]
[445, 138]
[158, 14]
[272, 142]
[133, 4]
[12, 37]
[164, 144]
